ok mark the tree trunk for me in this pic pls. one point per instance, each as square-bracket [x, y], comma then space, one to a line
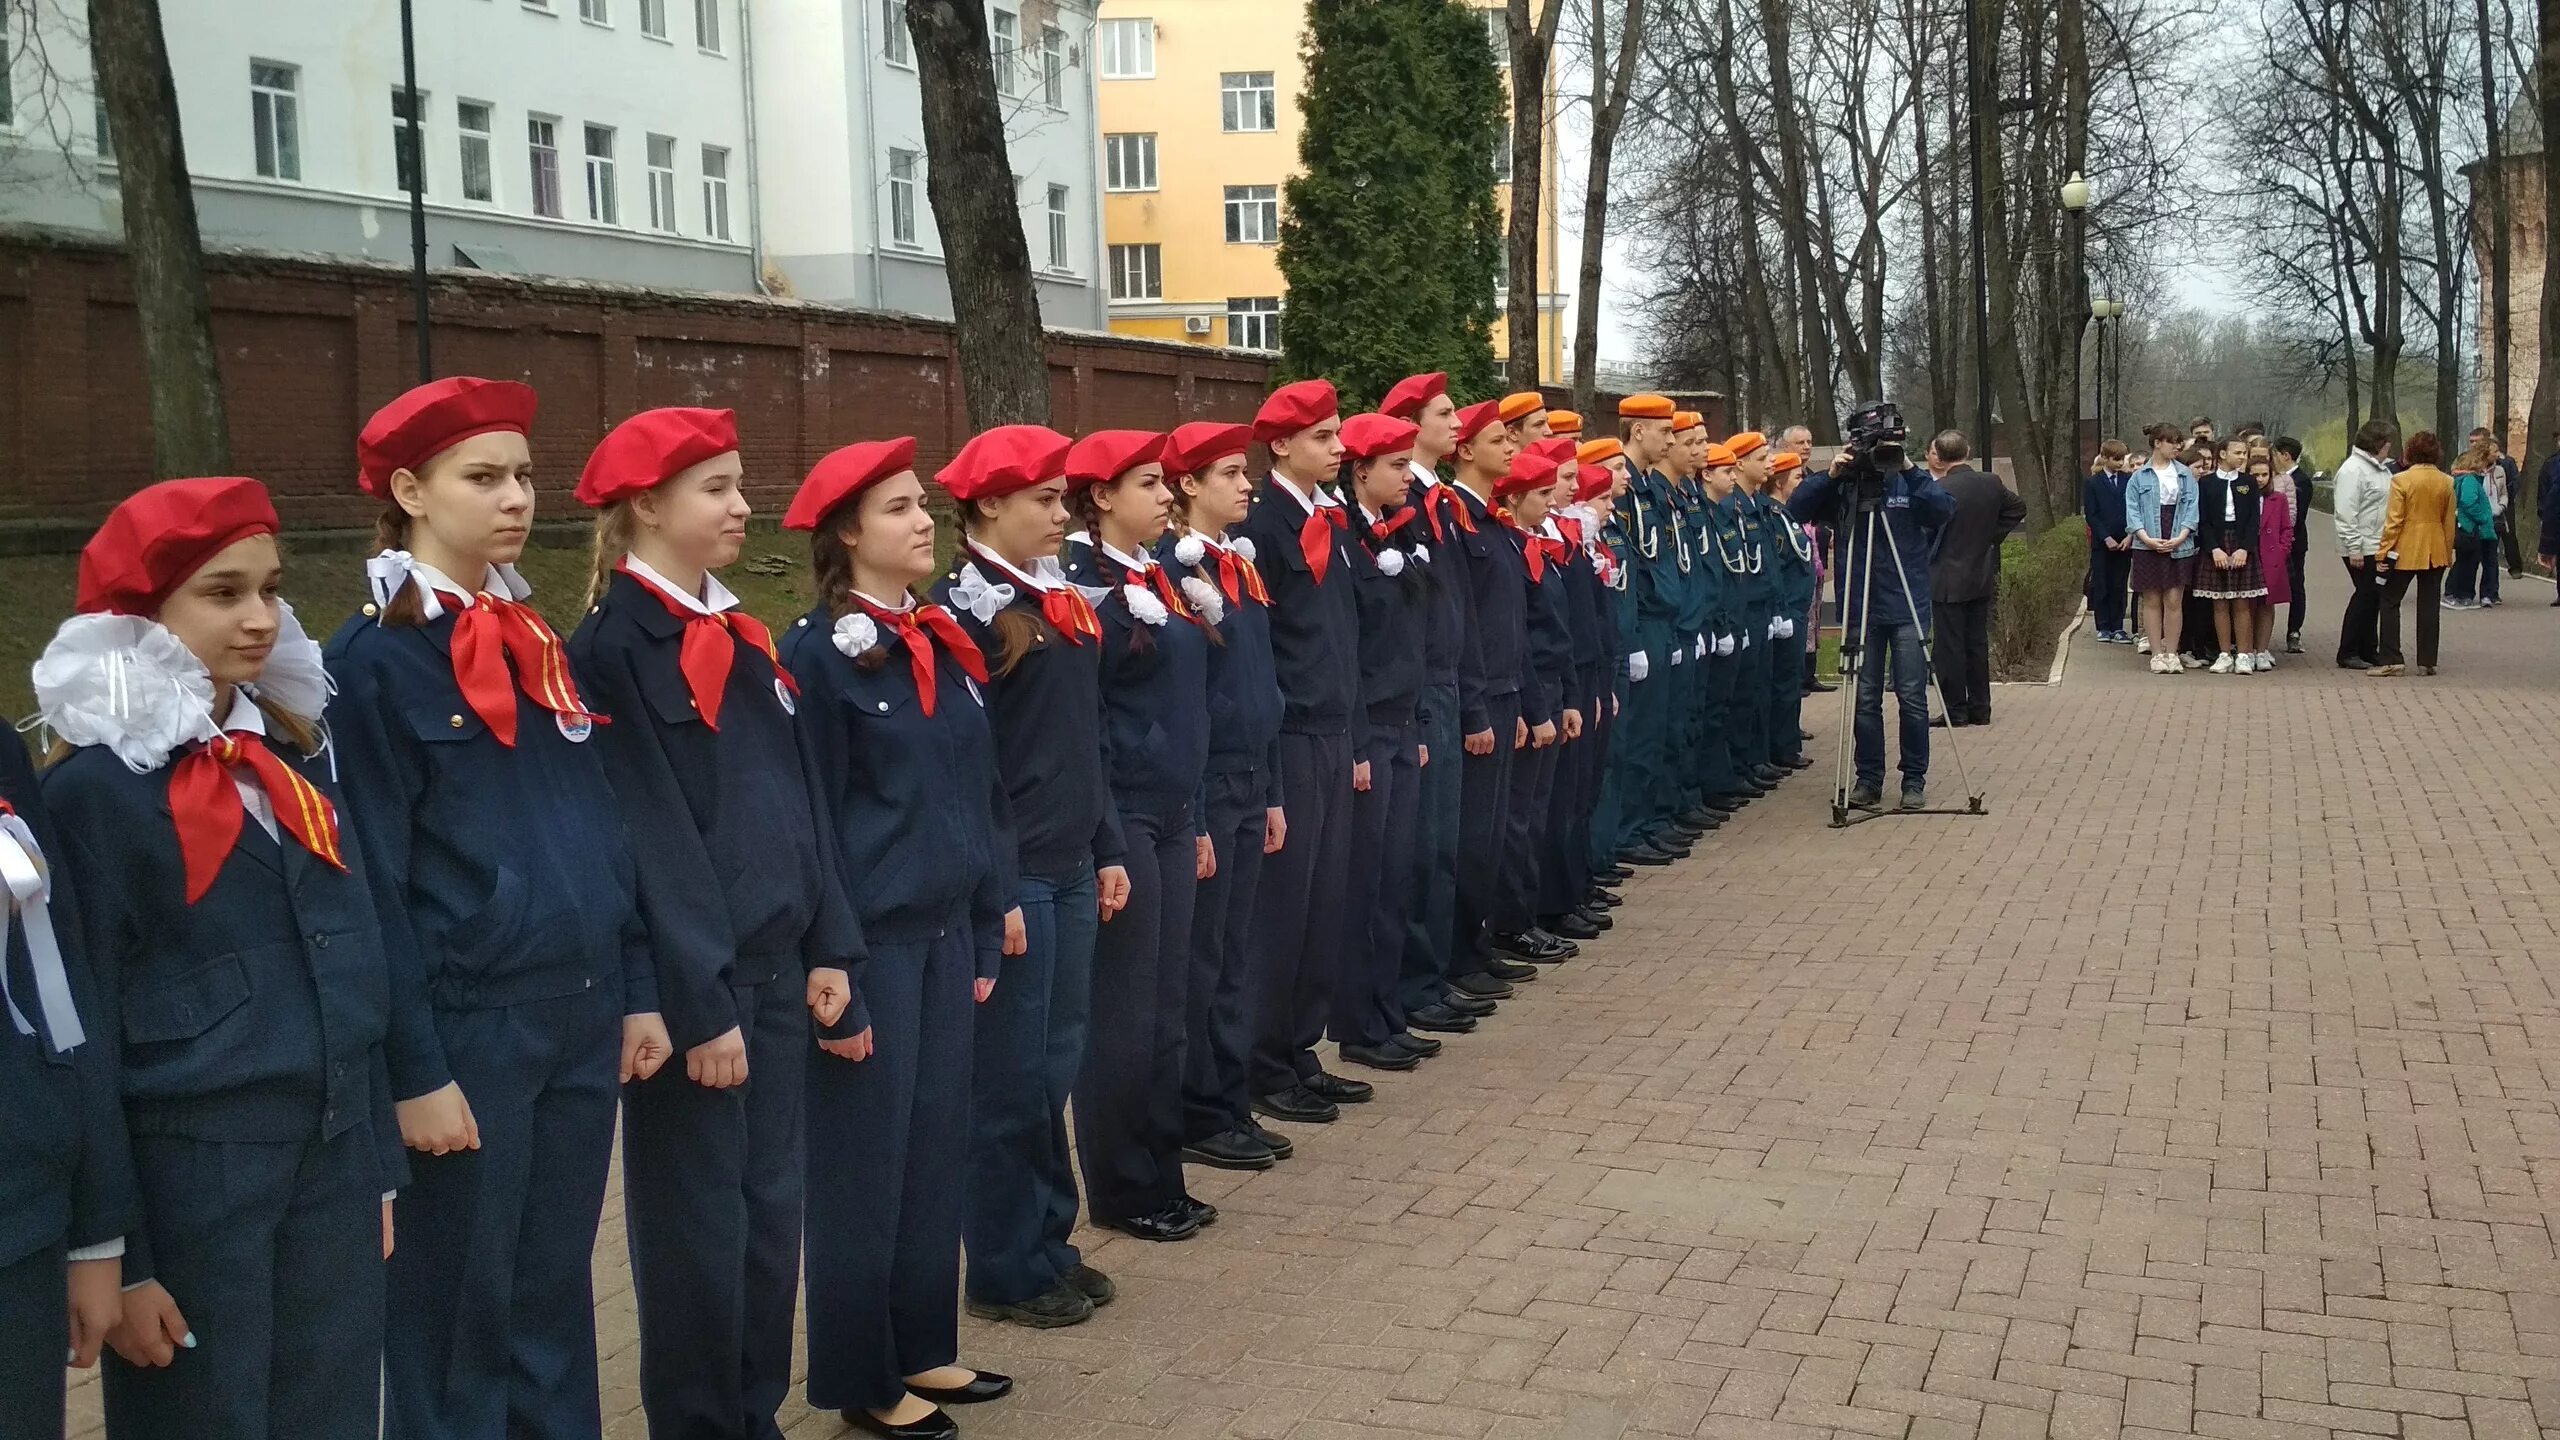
[1532, 44]
[2545, 420]
[1777, 368]
[190, 428]
[2501, 251]
[995, 308]
[1610, 86]
[1795, 230]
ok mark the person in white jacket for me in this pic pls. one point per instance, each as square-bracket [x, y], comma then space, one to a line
[2362, 495]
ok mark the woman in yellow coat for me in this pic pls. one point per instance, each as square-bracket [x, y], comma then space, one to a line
[2417, 543]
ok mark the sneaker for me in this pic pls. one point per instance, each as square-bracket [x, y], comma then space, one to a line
[2382, 672]
[1914, 797]
[1062, 1305]
[2160, 665]
[2247, 664]
[2266, 662]
[2142, 645]
[2222, 663]
[2293, 644]
[1865, 797]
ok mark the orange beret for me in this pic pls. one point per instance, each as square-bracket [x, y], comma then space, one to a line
[162, 535]
[1563, 422]
[1784, 461]
[1743, 444]
[1686, 420]
[1521, 404]
[1719, 456]
[1594, 452]
[1646, 407]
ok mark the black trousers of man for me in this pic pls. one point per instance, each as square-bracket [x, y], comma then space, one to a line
[2359, 635]
[1964, 658]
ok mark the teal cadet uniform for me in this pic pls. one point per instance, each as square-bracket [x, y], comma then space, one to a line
[1644, 515]
[1699, 587]
[1792, 585]
[1728, 558]
[1612, 817]
[1747, 728]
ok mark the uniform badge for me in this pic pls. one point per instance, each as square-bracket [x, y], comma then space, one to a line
[575, 728]
[782, 692]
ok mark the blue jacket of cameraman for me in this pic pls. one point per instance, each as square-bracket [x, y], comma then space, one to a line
[1916, 509]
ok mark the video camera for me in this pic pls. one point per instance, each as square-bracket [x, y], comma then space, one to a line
[1876, 444]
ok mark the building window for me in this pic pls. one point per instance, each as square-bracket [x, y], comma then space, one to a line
[706, 24]
[1058, 228]
[275, 109]
[1497, 33]
[1129, 161]
[1053, 67]
[604, 202]
[542, 142]
[104, 134]
[1004, 45]
[902, 197]
[596, 12]
[407, 158]
[1129, 49]
[1253, 214]
[1254, 324]
[662, 183]
[471, 127]
[653, 19]
[715, 192]
[1137, 272]
[1247, 100]
[895, 42]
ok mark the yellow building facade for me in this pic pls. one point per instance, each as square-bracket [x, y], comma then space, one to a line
[1197, 150]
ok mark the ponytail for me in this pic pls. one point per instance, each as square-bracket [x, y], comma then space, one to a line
[391, 532]
[615, 526]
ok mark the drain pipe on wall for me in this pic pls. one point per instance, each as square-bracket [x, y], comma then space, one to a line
[754, 162]
[863, 56]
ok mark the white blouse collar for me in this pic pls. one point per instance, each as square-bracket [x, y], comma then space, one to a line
[714, 599]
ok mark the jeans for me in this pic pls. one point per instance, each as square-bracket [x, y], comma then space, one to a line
[2475, 569]
[2430, 614]
[1964, 658]
[1021, 1200]
[1899, 642]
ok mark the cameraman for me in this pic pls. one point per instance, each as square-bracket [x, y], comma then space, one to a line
[1891, 600]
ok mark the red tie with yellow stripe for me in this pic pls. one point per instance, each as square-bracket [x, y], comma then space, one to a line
[205, 802]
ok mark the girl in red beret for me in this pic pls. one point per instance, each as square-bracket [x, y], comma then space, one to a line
[893, 711]
[1155, 714]
[750, 931]
[1241, 812]
[241, 969]
[1043, 643]
[522, 989]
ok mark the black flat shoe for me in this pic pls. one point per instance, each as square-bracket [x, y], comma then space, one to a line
[1801, 762]
[1570, 927]
[1647, 855]
[987, 1386]
[1202, 1213]
[1603, 900]
[1480, 987]
[1380, 1057]
[1613, 871]
[1230, 1151]
[1507, 970]
[1442, 1019]
[1404, 1040]
[1296, 1103]
[1595, 916]
[1555, 945]
[1281, 1146]
[1060, 1306]
[1092, 1284]
[1474, 1007]
[1165, 1226]
[937, 1426]
[1335, 1089]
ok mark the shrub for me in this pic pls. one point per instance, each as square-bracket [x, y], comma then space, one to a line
[2041, 580]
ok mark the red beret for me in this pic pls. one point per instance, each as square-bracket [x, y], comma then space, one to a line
[432, 418]
[1106, 455]
[1003, 460]
[1413, 392]
[1296, 407]
[1476, 419]
[1528, 472]
[1195, 447]
[163, 534]
[1366, 437]
[652, 448]
[842, 474]
[1558, 448]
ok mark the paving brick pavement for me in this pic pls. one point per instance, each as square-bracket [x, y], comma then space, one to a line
[2204, 1088]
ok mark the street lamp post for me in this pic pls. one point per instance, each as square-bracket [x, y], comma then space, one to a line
[417, 191]
[2075, 200]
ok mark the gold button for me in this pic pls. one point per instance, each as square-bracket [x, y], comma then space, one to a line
[455, 722]
[370, 609]
[692, 705]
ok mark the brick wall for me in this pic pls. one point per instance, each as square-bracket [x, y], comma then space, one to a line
[310, 348]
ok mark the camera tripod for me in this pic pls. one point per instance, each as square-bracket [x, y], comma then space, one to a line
[1857, 602]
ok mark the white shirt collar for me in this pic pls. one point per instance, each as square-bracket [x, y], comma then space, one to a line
[1141, 565]
[1429, 477]
[1040, 584]
[386, 572]
[877, 603]
[1283, 484]
[244, 717]
[715, 597]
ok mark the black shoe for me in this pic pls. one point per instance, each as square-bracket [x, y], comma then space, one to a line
[1613, 871]
[1595, 915]
[1169, 1224]
[1414, 1044]
[1865, 797]
[1296, 1103]
[1092, 1284]
[1681, 833]
[1570, 927]
[1510, 972]
[1600, 902]
[1381, 1057]
[1442, 1019]
[1474, 1007]
[1820, 687]
[1768, 775]
[2358, 662]
[1914, 797]
[1647, 854]
[1978, 717]
[1565, 948]
[1672, 846]
[1336, 1090]
[1231, 1151]
[937, 1426]
[1280, 1145]
[1056, 1308]
[988, 1385]
[1202, 1213]
[1941, 722]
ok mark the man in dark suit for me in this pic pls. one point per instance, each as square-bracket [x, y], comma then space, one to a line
[1966, 577]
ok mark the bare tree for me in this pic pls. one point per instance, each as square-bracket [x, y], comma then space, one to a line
[1612, 80]
[1533, 43]
[2545, 422]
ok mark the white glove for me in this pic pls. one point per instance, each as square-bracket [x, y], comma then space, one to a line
[1639, 666]
[1678, 653]
[1724, 644]
[1774, 623]
[1788, 632]
[1701, 652]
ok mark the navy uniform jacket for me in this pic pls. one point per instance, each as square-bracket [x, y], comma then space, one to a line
[923, 831]
[1497, 579]
[66, 1173]
[1046, 713]
[257, 1013]
[2102, 504]
[1315, 629]
[1916, 510]
[1551, 670]
[1395, 617]
[1617, 599]
[1155, 694]
[737, 887]
[502, 874]
[1583, 596]
[1244, 683]
[1444, 633]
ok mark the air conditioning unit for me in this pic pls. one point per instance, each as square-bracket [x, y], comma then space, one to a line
[1195, 325]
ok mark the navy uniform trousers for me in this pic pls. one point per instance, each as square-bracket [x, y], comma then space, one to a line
[273, 1252]
[1129, 1112]
[711, 1190]
[1565, 878]
[1297, 933]
[1030, 1044]
[1484, 802]
[888, 1138]
[1526, 818]
[492, 1299]
[36, 1322]
[1215, 1095]
[1367, 1006]
[1431, 916]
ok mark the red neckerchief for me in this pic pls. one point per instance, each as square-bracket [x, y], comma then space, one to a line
[1437, 498]
[1315, 538]
[487, 636]
[1383, 529]
[205, 802]
[920, 627]
[1570, 528]
[707, 651]
[1062, 604]
[1533, 548]
[1237, 576]
[1160, 580]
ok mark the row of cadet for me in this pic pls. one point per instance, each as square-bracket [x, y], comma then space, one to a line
[326, 970]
